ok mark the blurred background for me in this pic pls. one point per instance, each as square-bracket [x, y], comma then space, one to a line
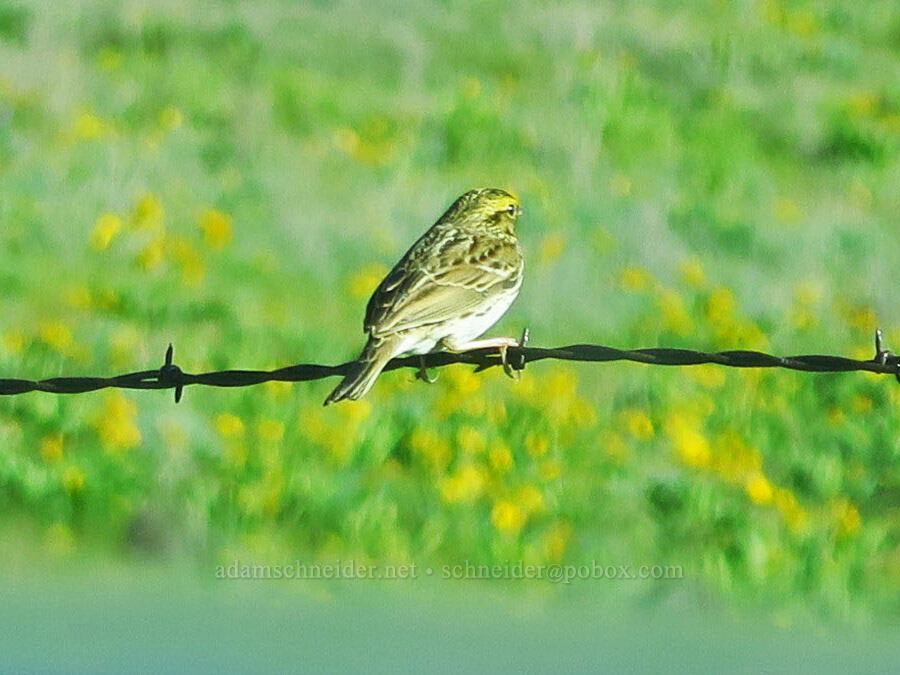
[235, 178]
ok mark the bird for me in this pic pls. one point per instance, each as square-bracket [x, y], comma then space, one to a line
[449, 288]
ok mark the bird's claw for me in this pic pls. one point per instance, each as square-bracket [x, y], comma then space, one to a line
[422, 372]
[514, 372]
[507, 367]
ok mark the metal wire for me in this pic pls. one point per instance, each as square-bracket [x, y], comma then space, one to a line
[170, 376]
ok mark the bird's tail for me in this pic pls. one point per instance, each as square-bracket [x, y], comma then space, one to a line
[364, 371]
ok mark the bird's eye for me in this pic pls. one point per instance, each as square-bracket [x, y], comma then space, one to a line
[512, 209]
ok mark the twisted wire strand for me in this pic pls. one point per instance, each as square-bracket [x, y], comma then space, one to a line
[170, 376]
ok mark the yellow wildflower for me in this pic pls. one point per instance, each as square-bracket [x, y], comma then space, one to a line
[148, 212]
[559, 386]
[474, 406]
[862, 319]
[364, 283]
[692, 272]
[153, 254]
[536, 444]
[862, 103]
[109, 58]
[614, 445]
[52, 448]
[13, 342]
[835, 416]
[466, 485]
[787, 210]
[759, 489]
[862, 404]
[89, 127]
[356, 412]
[470, 440]
[794, 515]
[452, 401]
[271, 430]
[552, 248]
[193, 271]
[433, 447]
[802, 23]
[105, 298]
[116, 424]
[78, 296]
[57, 335]
[216, 227]
[674, 313]
[463, 379]
[709, 376]
[170, 118]
[105, 230]
[278, 389]
[73, 479]
[734, 459]
[313, 425]
[748, 335]
[803, 319]
[507, 517]
[582, 413]
[530, 499]
[691, 445]
[846, 517]
[637, 423]
[635, 279]
[500, 457]
[721, 305]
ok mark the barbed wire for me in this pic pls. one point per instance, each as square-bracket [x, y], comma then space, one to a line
[170, 376]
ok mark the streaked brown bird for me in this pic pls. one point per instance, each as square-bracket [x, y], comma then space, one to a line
[454, 283]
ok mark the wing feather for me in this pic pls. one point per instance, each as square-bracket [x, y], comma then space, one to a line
[445, 278]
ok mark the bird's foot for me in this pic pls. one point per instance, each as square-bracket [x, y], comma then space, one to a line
[507, 368]
[422, 372]
[514, 373]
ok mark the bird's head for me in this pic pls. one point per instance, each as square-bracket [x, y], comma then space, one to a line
[485, 209]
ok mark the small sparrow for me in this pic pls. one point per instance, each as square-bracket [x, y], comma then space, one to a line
[454, 283]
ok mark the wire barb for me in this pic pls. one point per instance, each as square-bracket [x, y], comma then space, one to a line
[170, 376]
[516, 355]
[883, 356]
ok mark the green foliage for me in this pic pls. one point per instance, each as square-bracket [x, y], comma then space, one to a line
[13, 23]
[235, 178]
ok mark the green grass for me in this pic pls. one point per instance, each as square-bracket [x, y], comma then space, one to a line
[710, 175]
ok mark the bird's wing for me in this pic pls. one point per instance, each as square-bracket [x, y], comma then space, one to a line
[426, 289]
